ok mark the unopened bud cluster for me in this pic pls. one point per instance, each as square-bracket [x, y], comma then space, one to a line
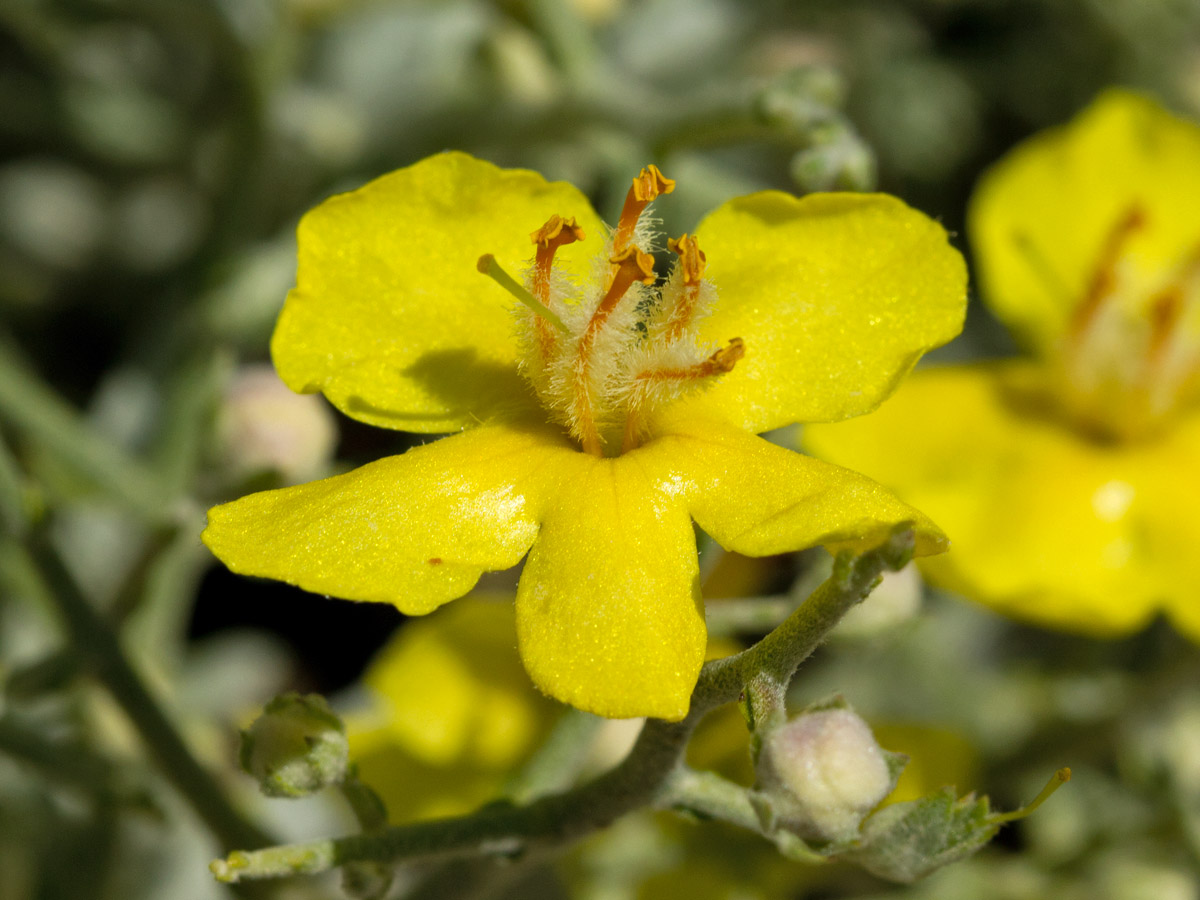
[296, 747]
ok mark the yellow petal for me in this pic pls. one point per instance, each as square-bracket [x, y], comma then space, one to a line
[836, 297]
[1047, 526]
[1039, 218]
[414, 530]
[1171, 493]
[608, 609]
[390, 318]
[756, 498]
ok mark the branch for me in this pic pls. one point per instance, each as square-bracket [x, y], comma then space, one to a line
[98, 646]
[643, 778]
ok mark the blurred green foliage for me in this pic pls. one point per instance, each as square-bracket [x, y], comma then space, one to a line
[155, 156]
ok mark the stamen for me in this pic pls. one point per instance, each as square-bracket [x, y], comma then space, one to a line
[720, 363]
[557, 232]
[726, 358]
[648, 185]
[691, 257]
[1104, 275]
[629, 266]
[692, 260]
[1165, 313]
[488, 266]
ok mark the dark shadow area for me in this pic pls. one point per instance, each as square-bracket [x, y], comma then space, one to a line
[333, 639]
[462, 383]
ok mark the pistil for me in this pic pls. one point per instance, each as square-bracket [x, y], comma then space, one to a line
[1125, 359]
[719, 363]
[607, 356]
[488, 266]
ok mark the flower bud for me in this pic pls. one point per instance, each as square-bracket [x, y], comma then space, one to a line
[840, 162]
[296, 747]
[825, 772]
[263, 425]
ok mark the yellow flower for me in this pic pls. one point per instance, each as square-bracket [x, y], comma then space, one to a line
[451, 713]
[599, 421]
[1069, 482]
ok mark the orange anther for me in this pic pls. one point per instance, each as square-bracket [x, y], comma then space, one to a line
[557, 232]
[628, 266]
[634, 265]
[1104, 275]
[719, 363]
[691, 257]
[649, 184]
[727, 357]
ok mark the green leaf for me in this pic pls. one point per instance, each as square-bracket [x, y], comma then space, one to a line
[907, 841]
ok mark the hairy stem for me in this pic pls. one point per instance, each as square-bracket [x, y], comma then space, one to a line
[39, 414]
[644, 778]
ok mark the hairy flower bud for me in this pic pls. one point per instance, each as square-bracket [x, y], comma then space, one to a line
[825, 772]
[296, 747]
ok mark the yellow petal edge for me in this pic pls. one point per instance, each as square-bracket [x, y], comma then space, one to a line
[390, 318]
[414, 530]
[836, 297]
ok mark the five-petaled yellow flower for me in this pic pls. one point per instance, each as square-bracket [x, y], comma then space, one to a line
[599, 421]
[1069, 481]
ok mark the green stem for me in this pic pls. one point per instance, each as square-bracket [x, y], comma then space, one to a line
[37, 411]
[643, 778]
[708, 794]
[98, 646]
[556, 764]
[73, 764]
[14, 512]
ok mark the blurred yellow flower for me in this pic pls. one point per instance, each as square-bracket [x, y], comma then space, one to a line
[937, 757]
[451, 713]
[1068, 482]
[619, 413]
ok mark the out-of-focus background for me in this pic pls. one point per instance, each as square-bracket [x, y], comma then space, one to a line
[155, 157]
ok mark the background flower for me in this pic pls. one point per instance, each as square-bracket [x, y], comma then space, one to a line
[152, 171]
[1065, 482]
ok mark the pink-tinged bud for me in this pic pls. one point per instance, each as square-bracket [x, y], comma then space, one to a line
[824, 772]
[263, 425]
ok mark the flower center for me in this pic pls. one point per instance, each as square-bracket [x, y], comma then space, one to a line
[605, 354]
[1130, 356]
